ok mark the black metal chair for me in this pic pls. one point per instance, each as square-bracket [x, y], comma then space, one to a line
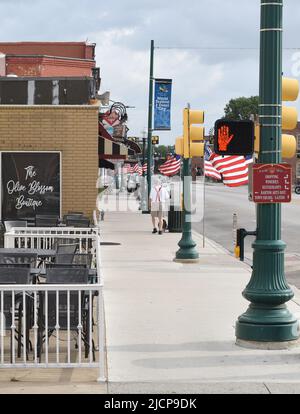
[65, 253]
[56, 274]
[46, 220]
[19, 275]
[84, 259]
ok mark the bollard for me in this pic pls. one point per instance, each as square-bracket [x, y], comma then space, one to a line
[102, 215]
[234, 229]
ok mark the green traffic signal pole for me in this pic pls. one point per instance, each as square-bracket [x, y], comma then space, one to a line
[187, 252]
[150, 112]
[144, 201]
[267, 318]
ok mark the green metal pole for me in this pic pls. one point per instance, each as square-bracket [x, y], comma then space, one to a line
[150, 112]
[144, 202]
[187, 251]
[267, 318]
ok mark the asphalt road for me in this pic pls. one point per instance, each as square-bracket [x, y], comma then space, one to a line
[220, 205]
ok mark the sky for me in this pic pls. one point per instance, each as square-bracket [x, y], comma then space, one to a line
[209, 48]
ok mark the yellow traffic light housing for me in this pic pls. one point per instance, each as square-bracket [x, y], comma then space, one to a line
[179, 146]
[155, 140]
[192, 133]
[289, 146]
[256, 138]
[289, 117]
[196, 149]
[290, 91]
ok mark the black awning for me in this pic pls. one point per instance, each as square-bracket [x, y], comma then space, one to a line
[106, 164]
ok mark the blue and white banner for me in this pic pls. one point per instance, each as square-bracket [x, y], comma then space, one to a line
[162, 104]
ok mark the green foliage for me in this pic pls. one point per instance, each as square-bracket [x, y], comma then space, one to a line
[242, 108]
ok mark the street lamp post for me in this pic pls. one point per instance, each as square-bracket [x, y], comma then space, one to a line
[267, 318]
[144, 201]
[150, 113]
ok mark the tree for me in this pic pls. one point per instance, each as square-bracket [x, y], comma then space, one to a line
[242, 108]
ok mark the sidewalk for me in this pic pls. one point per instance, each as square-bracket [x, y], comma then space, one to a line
[170, 327]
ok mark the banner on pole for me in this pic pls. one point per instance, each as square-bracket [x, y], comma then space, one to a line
[162, 104]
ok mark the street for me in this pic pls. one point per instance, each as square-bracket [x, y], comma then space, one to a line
[222, 202]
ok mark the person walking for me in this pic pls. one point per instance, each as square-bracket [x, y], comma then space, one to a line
[159, 198]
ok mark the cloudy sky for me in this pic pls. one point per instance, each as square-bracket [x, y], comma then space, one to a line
[199, 45]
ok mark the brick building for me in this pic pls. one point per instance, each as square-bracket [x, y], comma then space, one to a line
[47, 59]
[70, 130]
[47, 115]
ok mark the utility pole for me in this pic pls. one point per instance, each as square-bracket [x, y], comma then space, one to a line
[150, 112]
[144, 201]
[144, 150]
[267, 318]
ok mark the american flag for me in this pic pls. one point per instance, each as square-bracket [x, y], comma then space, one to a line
[145, 166]
[138, 169]
[171, 166]
[234, 169]
[209, 169]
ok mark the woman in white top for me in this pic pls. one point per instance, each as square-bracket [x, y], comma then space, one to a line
[159, 198]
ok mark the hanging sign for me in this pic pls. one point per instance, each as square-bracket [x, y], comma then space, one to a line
[162, 104]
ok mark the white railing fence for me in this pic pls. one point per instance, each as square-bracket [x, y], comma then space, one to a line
[88, 240]
[52, 326]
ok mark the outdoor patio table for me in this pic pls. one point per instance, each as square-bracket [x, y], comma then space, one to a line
[42, 253]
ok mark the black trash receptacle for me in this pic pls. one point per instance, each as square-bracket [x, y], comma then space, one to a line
[175, 220]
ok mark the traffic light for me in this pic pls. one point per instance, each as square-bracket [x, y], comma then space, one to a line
[290, 91]
[234, 137]
[155, 140]
[189, 146]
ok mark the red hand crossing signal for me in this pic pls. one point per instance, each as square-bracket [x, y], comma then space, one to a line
[234, 137]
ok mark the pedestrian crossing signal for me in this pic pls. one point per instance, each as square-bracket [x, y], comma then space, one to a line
[234, 137]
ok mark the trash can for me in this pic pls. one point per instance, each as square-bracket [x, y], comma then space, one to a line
[174, 220]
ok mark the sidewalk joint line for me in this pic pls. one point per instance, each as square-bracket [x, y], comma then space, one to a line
[268, 389]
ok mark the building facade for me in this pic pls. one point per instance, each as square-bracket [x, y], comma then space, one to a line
[69, 130]
[47, 59]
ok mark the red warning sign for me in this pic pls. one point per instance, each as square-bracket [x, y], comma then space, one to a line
[272, 183]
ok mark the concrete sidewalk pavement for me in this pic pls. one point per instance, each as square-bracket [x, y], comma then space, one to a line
[170, 326]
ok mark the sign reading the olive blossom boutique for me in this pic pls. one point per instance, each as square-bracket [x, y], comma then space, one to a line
[30, 184]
